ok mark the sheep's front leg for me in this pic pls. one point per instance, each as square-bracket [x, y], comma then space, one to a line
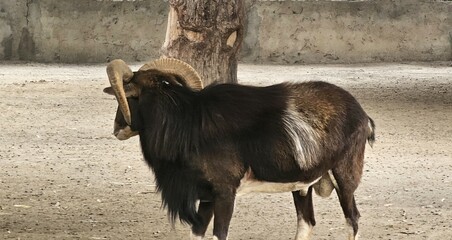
[223, 209]
[305, 214]
[205, 211]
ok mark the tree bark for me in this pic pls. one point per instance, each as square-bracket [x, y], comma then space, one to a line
[207, 34]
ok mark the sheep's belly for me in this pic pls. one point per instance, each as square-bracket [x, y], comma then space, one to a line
[249, 185]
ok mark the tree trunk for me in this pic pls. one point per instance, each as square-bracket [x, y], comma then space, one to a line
[207, 34]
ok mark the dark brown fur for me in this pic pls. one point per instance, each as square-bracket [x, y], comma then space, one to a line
[200, 143]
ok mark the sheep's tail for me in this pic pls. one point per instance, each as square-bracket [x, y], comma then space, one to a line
[371, 137]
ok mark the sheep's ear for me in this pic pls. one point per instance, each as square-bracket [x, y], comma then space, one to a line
[109, 90]
[130, 89]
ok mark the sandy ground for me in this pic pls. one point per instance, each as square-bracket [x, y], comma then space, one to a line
[64, 176]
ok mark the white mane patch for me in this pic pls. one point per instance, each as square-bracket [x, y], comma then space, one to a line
[302, 137]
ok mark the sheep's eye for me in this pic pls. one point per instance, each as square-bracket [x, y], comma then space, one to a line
[165, 82]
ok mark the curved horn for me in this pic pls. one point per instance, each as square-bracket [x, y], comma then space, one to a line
[175, 66]
[118, 72]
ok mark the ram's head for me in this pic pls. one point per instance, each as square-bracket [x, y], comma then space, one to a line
[126, 86]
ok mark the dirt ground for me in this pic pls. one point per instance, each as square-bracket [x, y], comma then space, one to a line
[64, 176]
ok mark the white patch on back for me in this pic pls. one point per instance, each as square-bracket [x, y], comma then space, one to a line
[248, 184]
[303, 138]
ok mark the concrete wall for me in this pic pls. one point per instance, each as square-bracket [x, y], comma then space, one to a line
[284, 31]
[338, 31]
[82, 30]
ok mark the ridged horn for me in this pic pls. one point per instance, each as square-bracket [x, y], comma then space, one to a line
[178, 67]
[118, 72]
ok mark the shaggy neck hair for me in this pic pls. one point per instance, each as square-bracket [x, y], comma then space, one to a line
[181, 122]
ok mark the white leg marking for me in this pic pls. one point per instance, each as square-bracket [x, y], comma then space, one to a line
[304, 230]
[350, 232]
[194, 237]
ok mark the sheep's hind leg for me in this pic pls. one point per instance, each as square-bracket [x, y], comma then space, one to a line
[305, 214]
[347, 175]
[351, 213]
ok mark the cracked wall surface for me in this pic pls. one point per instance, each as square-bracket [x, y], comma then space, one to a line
[345, 32]
[11, 25]
[81, 31]
[287, 32]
